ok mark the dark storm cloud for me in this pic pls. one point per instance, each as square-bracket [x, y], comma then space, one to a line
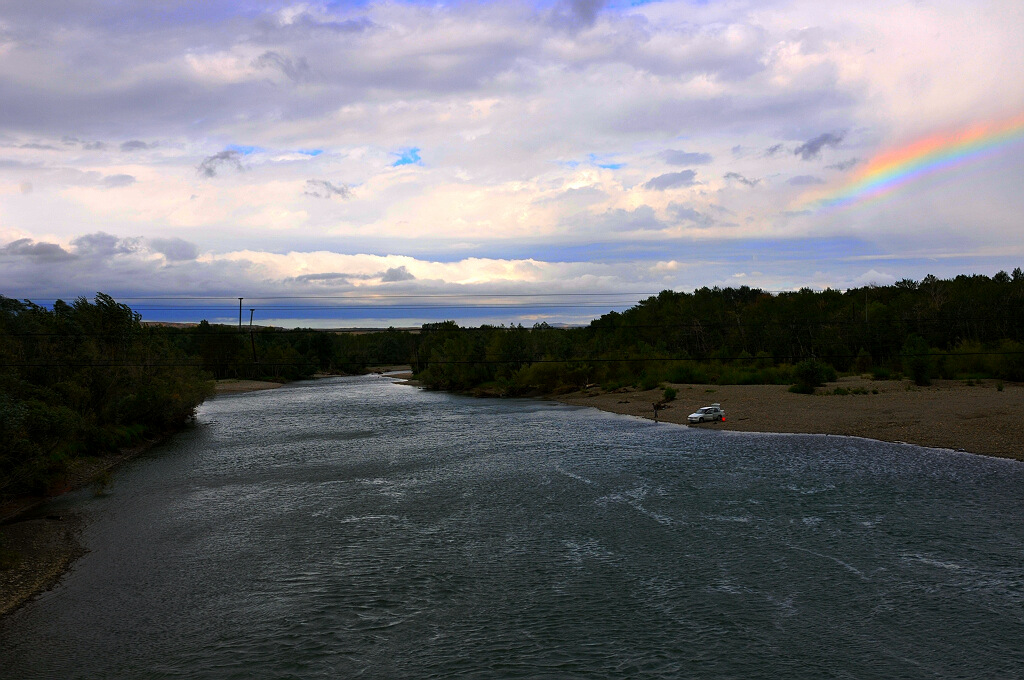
[174, 249]
[396, 274]
[812, 148]
[102, 244]
[296, 70]
[134, 145]
[674, 157]
[114, 181]
[804, 180]
[671, 180]
[574, 15]
[685, 213]
[37, 251]
[228, 157]
[321, 188]
[741, 179]
[843, 166]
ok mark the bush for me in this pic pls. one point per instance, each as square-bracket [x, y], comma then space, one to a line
[862, 363]
[916, 361]
[811, 373]
[670, 394]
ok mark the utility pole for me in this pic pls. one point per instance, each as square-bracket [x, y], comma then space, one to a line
[240, 314]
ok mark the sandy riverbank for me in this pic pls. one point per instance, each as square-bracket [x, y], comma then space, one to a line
[950, 414]
[230, 386]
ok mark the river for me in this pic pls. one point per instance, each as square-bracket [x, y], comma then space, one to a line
[354, 527]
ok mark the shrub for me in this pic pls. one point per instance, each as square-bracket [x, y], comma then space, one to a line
[812, 373]
[863, 361]
[670, 394]
[649, 382]
[881, 373]
[916, 361]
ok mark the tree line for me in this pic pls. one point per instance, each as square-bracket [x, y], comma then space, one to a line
[968, 326]
[85, 378]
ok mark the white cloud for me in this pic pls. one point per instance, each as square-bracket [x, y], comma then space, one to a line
[214, 134]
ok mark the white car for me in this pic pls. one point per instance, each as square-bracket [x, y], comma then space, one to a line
[707, 414]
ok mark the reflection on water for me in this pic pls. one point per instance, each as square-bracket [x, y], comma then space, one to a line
[353, 527]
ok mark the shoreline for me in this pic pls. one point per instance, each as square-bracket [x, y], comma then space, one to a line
[37, 550]
[978, 418]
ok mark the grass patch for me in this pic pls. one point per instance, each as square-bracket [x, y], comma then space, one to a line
[842, 391]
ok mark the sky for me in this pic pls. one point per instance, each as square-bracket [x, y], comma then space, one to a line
[388, 163]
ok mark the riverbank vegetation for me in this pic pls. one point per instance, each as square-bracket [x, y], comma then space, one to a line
[967, 327]
[85, 378]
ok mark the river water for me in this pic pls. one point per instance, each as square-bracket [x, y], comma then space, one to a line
[359, 528]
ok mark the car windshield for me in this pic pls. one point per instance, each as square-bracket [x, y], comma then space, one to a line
[706, 409]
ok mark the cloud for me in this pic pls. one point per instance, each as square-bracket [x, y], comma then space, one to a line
[812, 148]
[642, 218]
[37, 251]
[38, 147]
[174, 249]
[25, 187]
[395, 274]
[741, 179]
[671, 180]
[673, 157]
[685, 213]
[321, 188]
[843, 166]
[229, 157]
[324, 277]
[773, 150]
[114, 181]
[94, 146]
[296, 70]
[574, 15]
[99, 243]
[134, 145]
[804, 180]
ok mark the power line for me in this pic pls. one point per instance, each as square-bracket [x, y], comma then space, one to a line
[485, 361]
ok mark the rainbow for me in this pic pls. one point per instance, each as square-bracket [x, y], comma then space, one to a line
[890, 170]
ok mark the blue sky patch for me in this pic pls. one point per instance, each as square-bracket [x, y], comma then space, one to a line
[602, 161]
[244, 150]
[408, 156]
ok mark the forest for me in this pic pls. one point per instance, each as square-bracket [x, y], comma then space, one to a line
[966, 327]
[87, 378]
